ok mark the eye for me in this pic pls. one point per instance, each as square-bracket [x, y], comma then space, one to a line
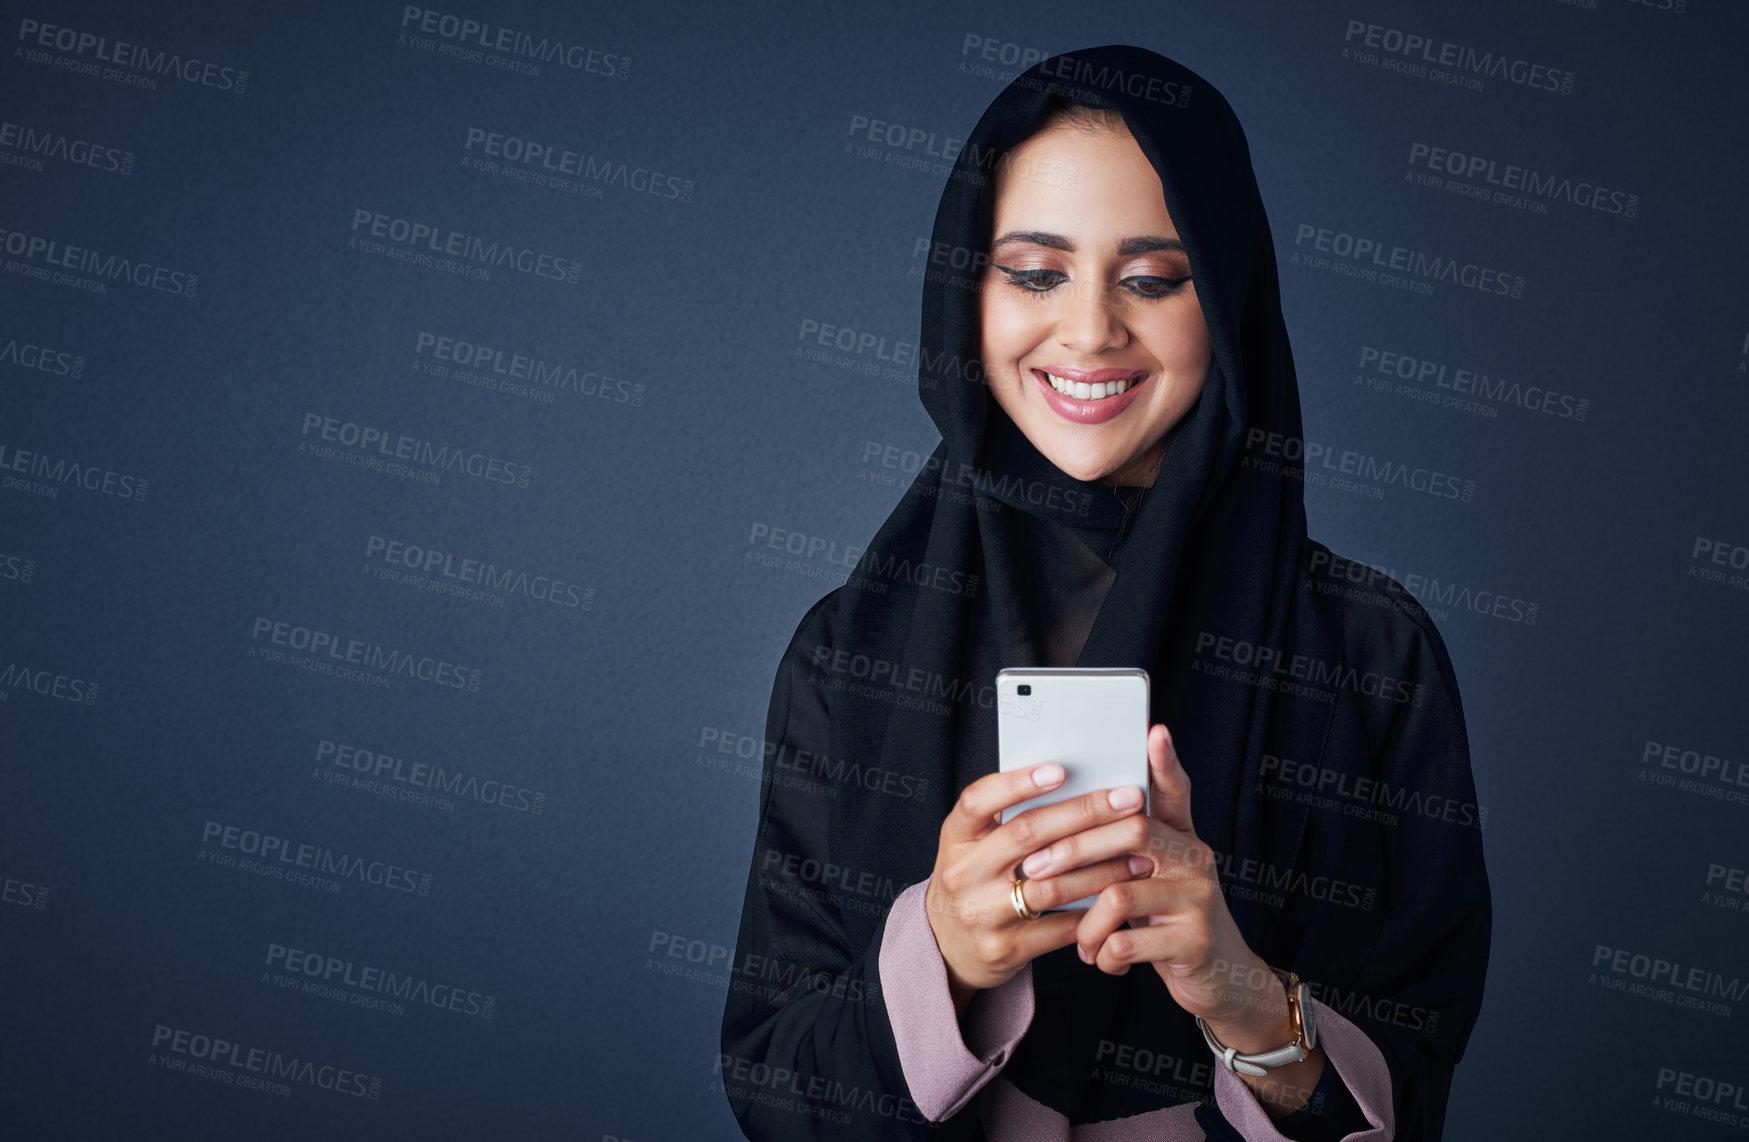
[1152, 287]
[1034, 281]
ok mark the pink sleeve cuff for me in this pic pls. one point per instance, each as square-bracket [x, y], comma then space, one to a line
[1358, 1064]
[943, 1067]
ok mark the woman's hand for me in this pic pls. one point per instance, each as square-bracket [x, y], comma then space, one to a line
[1189, 935]
[983, 941]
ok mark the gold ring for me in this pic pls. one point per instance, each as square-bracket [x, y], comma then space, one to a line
[1019, 898]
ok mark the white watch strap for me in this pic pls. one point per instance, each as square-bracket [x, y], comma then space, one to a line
[1256, 1065]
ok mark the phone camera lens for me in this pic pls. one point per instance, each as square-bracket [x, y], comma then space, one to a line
[1023, 689]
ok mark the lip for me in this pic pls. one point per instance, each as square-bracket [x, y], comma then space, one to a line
[1095, 411]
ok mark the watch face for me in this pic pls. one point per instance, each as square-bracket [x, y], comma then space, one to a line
[1308, 1017]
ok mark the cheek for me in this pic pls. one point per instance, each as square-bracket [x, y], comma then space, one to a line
[1180, 340]
[1008, 331]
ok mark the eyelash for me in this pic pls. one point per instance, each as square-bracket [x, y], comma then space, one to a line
[1028, 281]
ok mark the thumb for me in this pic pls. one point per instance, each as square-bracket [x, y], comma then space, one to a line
[1169, 799]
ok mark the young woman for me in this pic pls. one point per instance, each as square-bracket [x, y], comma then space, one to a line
[1292, 942]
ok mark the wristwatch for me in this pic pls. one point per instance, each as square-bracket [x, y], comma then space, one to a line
[1299, 1009]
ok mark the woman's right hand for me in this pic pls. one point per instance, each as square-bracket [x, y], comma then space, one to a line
[983, 940]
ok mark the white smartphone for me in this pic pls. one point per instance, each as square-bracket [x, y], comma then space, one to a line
[1093, 721]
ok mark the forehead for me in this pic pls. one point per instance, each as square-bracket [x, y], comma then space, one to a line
[1082, 185]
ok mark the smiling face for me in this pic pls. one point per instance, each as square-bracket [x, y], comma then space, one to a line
[1093, 340]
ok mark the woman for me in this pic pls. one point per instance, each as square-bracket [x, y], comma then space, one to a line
[897, 974]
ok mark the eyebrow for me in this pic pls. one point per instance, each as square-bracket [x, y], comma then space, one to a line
[1146, 244]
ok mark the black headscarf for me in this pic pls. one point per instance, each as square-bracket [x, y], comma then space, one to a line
[1217, 546]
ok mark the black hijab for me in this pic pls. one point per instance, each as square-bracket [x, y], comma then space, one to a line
[1127, 577]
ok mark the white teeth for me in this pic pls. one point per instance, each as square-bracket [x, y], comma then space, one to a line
[1082, 390]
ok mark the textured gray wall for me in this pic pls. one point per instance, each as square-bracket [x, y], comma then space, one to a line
[182, 477]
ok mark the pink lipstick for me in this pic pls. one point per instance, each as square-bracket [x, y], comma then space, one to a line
[1089, 411]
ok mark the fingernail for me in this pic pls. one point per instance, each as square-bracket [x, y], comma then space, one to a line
[1082, 952]
[1139, 865]
[1126, 797]
[1046, 776]
[1037, 862]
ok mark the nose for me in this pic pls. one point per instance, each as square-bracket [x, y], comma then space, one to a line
[1088, 322]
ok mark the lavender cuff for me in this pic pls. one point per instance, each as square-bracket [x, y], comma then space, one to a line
[943, 1065]
[1358, 1063]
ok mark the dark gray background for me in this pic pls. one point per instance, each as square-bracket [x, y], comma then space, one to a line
[613, 712]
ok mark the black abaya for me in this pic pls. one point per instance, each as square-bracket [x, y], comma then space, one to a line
[1198, 579]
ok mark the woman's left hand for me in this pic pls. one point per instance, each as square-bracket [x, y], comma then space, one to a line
[1188, 935]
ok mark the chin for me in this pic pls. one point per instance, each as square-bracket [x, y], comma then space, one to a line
[1082, 467]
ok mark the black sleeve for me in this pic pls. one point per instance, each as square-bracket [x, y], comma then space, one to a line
[807, 1046]
[1417, 991]
[1431, 959]
[1416, 988]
